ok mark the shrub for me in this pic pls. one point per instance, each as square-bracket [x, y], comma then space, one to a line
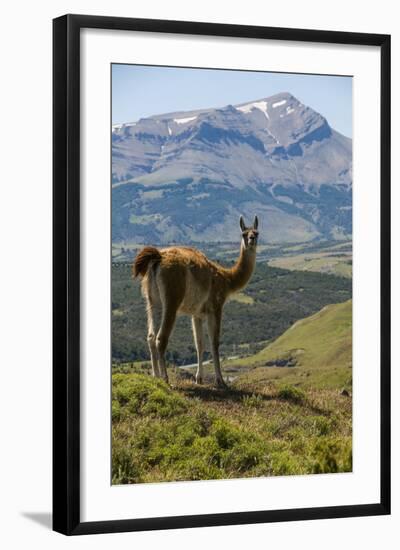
[284, 463]
[332, 455]
[226, 436]
[138, 394]
[291, 393]
[246, 455]
[252, 401]
[115, 410]
[322, 425]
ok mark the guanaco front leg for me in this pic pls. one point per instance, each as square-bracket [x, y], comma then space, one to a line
[214, 329]
[197, 325]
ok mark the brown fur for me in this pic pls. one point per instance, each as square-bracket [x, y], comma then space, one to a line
[142, 260]
[183, 280]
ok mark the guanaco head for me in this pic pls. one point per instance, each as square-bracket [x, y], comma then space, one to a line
[249, 234]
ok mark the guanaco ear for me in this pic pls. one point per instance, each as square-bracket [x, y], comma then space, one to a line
[255, 224]
[241, 223]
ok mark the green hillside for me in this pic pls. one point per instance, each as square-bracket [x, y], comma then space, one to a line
[315, 351]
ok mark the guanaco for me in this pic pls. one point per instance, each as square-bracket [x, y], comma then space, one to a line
[182, 280]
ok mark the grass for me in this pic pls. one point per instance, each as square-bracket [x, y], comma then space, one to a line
[318, 350]
[198, 432]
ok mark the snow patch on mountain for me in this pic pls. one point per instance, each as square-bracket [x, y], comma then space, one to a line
[278, 103]
[260, 105]
[116, 127]
[184, 120]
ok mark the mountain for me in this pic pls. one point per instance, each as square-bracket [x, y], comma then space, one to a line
[187, 176]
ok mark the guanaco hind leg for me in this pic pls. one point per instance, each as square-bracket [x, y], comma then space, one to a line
[152, 314]
[167, 324]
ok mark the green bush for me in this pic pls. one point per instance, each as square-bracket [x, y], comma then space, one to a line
[284, 463]
[138, 394]
[332, 455]
[252, 401]
[291, 393]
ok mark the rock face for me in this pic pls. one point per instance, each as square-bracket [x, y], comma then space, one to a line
[187, 176]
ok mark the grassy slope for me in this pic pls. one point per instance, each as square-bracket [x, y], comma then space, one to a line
[198, 432]
[320, 346]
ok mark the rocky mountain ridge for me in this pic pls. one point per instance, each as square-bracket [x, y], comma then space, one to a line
[187, 176]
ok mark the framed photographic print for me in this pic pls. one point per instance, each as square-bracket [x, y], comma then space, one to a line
[221, 274]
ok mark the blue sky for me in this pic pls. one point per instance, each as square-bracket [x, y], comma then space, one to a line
[140, 91]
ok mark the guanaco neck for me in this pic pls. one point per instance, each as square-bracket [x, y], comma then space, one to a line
[240, 273]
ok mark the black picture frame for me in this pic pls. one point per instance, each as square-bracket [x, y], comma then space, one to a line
[66, 273]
